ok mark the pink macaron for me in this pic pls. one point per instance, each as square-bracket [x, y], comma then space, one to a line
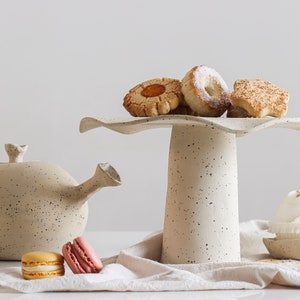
[81, 257]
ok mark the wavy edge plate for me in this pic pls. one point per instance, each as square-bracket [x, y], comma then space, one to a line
[238, 126]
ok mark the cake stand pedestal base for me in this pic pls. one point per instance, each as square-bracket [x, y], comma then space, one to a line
[201, 215]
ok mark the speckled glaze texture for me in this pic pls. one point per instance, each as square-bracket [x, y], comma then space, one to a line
[201, 215]
[42, 206]
[283, 248]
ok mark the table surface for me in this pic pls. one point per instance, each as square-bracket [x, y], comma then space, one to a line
[108, 244]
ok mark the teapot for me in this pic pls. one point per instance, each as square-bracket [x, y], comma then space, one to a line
[42, 206]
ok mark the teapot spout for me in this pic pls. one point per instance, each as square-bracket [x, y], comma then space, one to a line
[105, 176]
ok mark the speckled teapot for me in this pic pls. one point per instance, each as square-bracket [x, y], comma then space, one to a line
[41, 205]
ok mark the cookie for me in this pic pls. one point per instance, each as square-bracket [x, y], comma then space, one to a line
[260, 98]
[81, 257]
[41, 264]
[153, 97]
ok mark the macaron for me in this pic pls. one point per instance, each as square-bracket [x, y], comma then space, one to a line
[81, 257]
[41, 264]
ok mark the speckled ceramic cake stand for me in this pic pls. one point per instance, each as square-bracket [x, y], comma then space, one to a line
[201, 216]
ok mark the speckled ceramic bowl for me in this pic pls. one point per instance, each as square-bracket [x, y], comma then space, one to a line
[283, 248]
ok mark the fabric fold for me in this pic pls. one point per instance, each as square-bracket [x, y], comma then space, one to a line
[137, 268]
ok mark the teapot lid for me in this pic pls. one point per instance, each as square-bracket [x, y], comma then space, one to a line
[15, 152]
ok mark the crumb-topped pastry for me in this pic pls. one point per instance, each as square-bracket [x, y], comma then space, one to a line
[260, 98]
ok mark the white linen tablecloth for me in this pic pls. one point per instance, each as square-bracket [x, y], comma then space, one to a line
[137, 269]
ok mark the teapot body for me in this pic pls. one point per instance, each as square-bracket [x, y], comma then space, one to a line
[36, 211]
[41, 205]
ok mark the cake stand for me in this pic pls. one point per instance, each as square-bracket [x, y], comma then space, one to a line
[201, 216]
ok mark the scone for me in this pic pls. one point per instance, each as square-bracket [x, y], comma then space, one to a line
[153, 97]
[260, 98]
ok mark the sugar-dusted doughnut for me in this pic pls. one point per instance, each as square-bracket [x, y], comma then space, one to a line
[260, 98]
[205, 91]
[153, 97]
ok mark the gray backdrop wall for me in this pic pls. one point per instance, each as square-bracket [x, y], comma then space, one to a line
[63, 60]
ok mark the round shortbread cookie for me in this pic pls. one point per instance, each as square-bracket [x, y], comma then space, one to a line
[153, 97]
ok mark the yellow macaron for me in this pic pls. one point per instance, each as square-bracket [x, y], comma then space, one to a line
[40, 264]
